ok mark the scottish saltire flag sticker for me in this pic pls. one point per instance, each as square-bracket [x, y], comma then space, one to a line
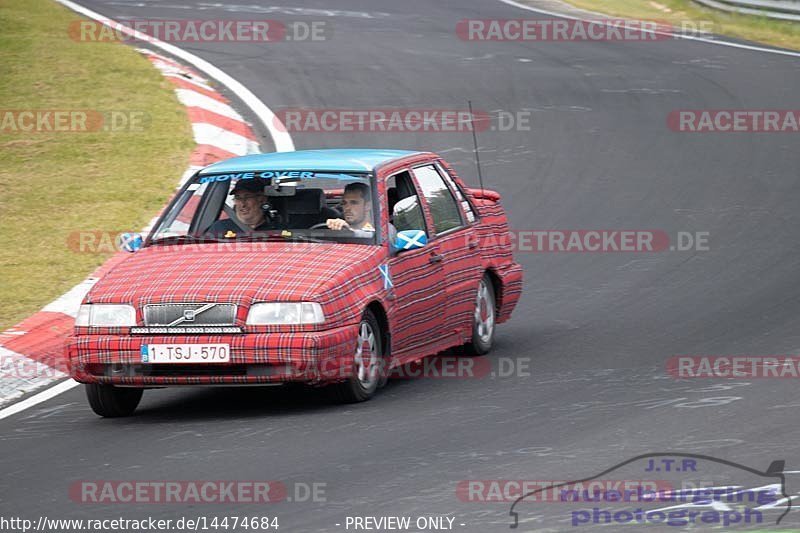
[410, 239]
[387, 278]
[145, 353]
[129, 242]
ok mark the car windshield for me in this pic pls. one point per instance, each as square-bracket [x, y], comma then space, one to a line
[272, 204]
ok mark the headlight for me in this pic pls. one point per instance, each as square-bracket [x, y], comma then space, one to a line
[285, 313]
[106, 315]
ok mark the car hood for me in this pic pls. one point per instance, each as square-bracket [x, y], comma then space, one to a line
[236, 272]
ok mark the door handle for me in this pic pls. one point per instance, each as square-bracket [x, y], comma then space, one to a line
[435, 258]
[473, 244]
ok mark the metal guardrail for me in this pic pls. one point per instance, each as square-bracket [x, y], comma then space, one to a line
[776, 9]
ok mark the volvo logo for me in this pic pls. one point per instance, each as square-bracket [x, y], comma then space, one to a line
[189, 315]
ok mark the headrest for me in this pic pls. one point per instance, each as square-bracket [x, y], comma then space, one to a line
[306, 202]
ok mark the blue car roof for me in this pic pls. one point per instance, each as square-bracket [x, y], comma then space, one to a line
[333, 160]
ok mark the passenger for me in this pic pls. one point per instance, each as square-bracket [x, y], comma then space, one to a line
[356, 209]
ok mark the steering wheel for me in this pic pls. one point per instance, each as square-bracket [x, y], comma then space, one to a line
[325, 225]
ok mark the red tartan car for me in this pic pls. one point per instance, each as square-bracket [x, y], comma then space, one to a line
[326, 267]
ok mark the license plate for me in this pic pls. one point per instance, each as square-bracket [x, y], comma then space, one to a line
[186, 353]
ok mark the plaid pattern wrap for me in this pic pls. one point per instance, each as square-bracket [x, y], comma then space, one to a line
[494, 245]
[337, 276]
[273, 357]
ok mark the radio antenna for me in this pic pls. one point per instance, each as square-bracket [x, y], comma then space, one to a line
[475, 143]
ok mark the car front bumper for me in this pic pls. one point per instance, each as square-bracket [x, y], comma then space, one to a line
[309, 357]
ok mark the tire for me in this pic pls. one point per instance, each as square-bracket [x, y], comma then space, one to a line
[367, 375]
[112, 402]
[483, 320]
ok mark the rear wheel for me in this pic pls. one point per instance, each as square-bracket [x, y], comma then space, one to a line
[110, 401]
[482, 319]
[367, 364]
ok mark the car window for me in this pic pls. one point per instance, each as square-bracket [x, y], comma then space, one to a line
[465, 205]
[267, 204]
[178, 220]
[444, 209]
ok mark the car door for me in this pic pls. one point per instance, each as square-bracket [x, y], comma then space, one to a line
[418, 281]
[458, 245]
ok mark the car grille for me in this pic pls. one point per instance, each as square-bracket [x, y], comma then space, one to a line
[190, 314]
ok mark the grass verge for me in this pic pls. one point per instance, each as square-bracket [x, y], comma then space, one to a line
[56, 183]
[752, 28]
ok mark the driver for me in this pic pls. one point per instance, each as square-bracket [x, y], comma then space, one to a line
[356, 207]
[248, 199]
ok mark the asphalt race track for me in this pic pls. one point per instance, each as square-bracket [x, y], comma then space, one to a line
[591, 336]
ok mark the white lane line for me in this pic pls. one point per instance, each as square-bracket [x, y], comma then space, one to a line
[38, 398]
[668, 34]
[280, 137]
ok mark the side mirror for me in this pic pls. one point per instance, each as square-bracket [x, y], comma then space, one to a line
[410, 239]
[130, 242]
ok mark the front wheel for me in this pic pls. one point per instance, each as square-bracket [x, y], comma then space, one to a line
[367, 364]
[111, 402]
[482, 319]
